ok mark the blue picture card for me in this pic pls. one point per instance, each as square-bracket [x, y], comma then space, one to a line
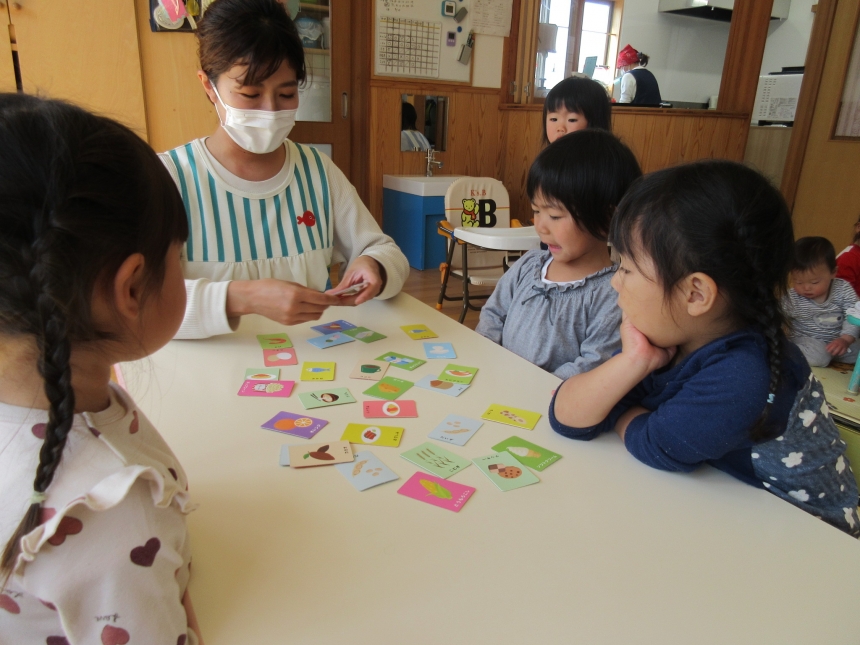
[455, 429]
[439, 350]
[366, 471]
[330, 340]
[445, 387]
[332, 327]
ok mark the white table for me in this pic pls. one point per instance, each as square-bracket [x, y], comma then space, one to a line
[603, 550]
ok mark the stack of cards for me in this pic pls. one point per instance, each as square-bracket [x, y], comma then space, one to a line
[296, 425]
[264, 382]
[277, 349]
[527, 453]
[453, 381]
[511, 416]
[330, 340]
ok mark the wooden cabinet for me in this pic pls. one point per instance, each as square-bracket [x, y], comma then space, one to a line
[81, 51]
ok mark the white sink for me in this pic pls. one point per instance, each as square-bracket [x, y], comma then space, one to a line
[420, 185]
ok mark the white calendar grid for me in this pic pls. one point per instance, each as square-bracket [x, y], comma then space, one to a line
[409, 47]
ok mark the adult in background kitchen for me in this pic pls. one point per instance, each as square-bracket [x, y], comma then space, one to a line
[638, 85]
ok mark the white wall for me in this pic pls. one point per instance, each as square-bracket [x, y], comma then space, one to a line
[487, 61]
[788, 40]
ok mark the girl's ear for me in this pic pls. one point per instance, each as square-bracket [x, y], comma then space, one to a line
[128, 286]
[700, 293]
[207, 85]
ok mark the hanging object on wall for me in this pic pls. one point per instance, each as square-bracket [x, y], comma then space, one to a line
[175, 15]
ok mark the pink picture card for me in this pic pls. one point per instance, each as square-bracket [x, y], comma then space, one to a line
[267, 388]
[437, 491]
[273, 357]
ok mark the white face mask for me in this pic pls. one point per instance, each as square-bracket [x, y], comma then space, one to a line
[257, 131]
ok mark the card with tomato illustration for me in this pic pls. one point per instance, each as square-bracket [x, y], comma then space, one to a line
[366, 471]
[280, 389]
[280, 357]
[437, 491]
[262, 374]
[443, 387]
[369, 370]
[330, 340]
[324, 454]
[511, 416]
[455, 430]
[318, 371]
[458, 374]
[364, 334]
[274, 341]
[401, 361]
[527, 453]
[325, 398]
[332, 327]
[419, 332]
[436, 460]
[389, 388]
[505, 471]
[382, 409]
[297, 425]
[372, 435]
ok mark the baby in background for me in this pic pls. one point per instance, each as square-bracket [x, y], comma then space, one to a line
[816, 305]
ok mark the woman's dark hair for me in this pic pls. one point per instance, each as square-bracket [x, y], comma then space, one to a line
[583, 95]
[727, 221]
[809, 252]
[587, 172]
[256, 33]
[79, 194]
[408, 117]
[643, 58]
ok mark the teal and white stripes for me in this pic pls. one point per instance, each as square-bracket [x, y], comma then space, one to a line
[226, 225]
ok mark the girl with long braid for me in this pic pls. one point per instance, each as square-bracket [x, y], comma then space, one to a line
[92, 501]
[705, 373]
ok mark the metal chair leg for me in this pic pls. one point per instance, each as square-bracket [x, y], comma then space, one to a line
[451, 244]
[465, 248]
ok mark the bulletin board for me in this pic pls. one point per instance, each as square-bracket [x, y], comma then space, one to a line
[411, 40]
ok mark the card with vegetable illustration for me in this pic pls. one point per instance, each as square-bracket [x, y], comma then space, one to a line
[458, 374]
[505, 471]
[439, 350]
[330, 340]
[267, 388]
[318, 371]
[332, 327]
[297, 425]
[511, 416]
[419, 332]
[274, 341]
[366, 471]
[455, 430]
[325, 454]
[325, 398]
[369, 370]
[436, 491]
[389, 388]
[436, 460]
[364, 334]
[381, 409]
[444, 387]
[262, 374]
[280, 357]
[375, 435]
[401, 361]
[527, 453]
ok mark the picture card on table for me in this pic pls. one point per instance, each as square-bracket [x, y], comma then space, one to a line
[369, 370]
[318, 371]
[330, 340]
[527, 453]
[389, 388]
[332, 327]
[366, 471]
[280, 357]
[436, 491]
[267, 388]
[262, 374]
[401, 361]
[324, 454]
[439, 350]
[419, 332]
[511, 416]
[436, 460]
[274, 341]
[458, 373]
[376, 435]
[391, 409]
[297, 425]
[444, 387]
[325, 398]
[505, 471]
[364, 334]
[455, 430]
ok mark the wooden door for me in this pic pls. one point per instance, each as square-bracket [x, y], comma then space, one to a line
[7, 68]
[84, 52]
[330, 65]
[828, 191]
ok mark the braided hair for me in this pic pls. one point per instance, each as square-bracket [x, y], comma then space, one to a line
[727, 221]
[79, 194]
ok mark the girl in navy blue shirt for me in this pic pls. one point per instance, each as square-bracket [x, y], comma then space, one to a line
[705, 374]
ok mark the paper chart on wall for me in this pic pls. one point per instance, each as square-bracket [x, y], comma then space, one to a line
[492, 17]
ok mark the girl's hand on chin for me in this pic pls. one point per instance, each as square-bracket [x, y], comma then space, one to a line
[636, 346]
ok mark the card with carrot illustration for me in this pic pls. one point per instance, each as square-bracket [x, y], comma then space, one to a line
[366, 471]
[435, 459]
[437, 491]
[274, 341]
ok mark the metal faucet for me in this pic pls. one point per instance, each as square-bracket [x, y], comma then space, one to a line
[431, 161]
